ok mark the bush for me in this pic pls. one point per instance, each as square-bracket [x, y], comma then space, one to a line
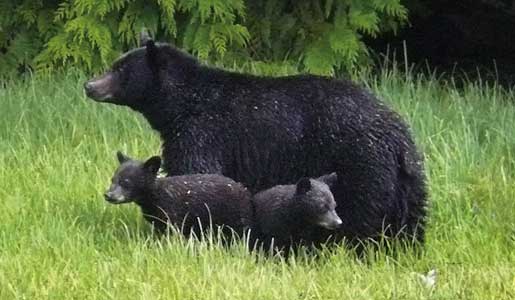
[319, 36]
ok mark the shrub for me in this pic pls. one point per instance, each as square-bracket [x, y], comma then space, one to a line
[319, 36]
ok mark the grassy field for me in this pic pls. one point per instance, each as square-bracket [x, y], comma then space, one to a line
[60, 240]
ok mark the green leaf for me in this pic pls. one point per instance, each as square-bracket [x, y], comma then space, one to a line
[319, 58]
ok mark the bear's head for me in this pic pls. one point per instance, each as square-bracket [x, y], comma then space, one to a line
[316, 201]
[132, 179]
[136, 78]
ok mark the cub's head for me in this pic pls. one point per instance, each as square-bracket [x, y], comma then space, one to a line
[132, 179]
[136, 77]
[317, 201]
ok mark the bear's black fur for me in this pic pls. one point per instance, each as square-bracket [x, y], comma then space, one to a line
[286, 215]
[192, 203]
[265, 131]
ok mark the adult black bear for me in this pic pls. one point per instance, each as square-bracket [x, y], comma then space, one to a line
[265, 131]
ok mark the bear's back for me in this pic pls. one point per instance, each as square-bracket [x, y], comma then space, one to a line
[274, 130]
[195, 202]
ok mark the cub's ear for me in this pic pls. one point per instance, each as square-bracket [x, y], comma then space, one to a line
[153, 164]
[122, 157]
[144, 37]
[329, 179]
[303, 186]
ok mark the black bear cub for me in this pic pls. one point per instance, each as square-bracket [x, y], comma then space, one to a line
[191, 203]
[286, 215]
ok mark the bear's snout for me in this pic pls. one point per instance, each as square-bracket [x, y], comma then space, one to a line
[115, 198]
[330, 220]
[111, 197]
[88, 87]
[107, 196]
[100, 88]
[115, 195]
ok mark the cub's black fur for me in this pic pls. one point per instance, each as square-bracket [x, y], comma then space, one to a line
[286, 215]
[192, 203]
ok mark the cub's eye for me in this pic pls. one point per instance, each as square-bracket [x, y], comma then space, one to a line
[125, 182]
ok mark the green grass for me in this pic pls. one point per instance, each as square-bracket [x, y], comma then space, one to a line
[60, 240]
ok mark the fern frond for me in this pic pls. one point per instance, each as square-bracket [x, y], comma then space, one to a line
[168, 18]
[319, 58]
[201, 41]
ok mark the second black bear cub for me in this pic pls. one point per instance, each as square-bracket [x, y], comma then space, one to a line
[286, 215]
[192, 203]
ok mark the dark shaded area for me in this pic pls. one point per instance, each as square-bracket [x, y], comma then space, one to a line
[461, 36]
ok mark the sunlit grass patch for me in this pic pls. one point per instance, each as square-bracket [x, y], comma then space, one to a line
[59, 239]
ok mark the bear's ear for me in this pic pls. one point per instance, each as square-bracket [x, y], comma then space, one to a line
[144, 38]
[121, 157]
[153, 164]
[153, 58]
[303, 186]
[151, 50]
[146, 41]
[329, 179]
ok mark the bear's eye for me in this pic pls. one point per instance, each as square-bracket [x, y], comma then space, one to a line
[125, 182]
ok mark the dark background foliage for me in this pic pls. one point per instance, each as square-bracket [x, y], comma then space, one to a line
[461, 36]
[321, 36]
[316, 36]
